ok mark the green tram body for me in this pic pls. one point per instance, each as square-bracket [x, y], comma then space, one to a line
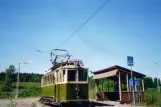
[66, 84]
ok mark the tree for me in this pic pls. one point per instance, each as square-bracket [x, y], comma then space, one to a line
[6, 87]
[155, 82]
[91, 82]
[2, 76]
[148, 82]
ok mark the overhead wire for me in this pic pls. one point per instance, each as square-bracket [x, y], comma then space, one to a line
[83, 24]
[18, 43]
[41, 51]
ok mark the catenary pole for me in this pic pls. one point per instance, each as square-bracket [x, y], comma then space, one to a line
[17, 86]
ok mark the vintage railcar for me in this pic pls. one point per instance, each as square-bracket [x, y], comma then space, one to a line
[65, 83]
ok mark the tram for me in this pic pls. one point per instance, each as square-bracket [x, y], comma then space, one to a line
[66, 82]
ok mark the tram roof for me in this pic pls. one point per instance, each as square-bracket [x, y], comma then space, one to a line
[63, 64]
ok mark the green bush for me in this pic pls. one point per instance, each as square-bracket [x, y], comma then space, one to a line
[6, 95]
[153, 96]
[152, 90]
[92, 93]
[23, 85]
[150, 99]
[30, 92]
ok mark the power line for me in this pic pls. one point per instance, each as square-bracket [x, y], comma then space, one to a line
[41, 51]
[37, 50]
[83, 24]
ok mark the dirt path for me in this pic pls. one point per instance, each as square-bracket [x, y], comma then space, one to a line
[27, 102]
[22, 102]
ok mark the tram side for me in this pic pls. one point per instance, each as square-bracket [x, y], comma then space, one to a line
[66, 85]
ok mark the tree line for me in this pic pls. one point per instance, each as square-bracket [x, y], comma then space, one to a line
[10, 76]
[23, 77]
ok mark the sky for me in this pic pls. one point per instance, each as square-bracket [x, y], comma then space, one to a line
[122, 28]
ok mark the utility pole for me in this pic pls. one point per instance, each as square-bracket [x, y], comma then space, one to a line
[130, 63]
[133, 88]
[158, 78]
[158, 84]
[17, 86]
[18, 77]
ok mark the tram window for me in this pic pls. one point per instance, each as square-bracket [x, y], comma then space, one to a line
[53, 79]
[57, 77]
[45, 80]
[48, 79]
[82, 75]
[72, 75]
[60, 77]
[63, 75]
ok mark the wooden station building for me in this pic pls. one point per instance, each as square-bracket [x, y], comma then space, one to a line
[120, 76]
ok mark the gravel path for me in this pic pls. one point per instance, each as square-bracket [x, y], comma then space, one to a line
[27, 102]
[22, 102]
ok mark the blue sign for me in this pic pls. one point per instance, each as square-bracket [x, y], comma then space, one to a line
[130, 61]
[135, 82]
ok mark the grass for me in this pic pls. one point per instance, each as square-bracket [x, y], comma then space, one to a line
[1, 82]
[92, 93]
[153, 91]
[5, 95]
[26, 84]
[148, 93]
[33, 91]
[23, 84]
[26, 89]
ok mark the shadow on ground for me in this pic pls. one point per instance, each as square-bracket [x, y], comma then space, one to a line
[92, 104]
[99, 104]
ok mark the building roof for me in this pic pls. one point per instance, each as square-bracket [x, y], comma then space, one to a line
[105, 74]
[112, 71]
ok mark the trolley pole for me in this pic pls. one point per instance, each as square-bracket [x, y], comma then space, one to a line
[17, 85]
